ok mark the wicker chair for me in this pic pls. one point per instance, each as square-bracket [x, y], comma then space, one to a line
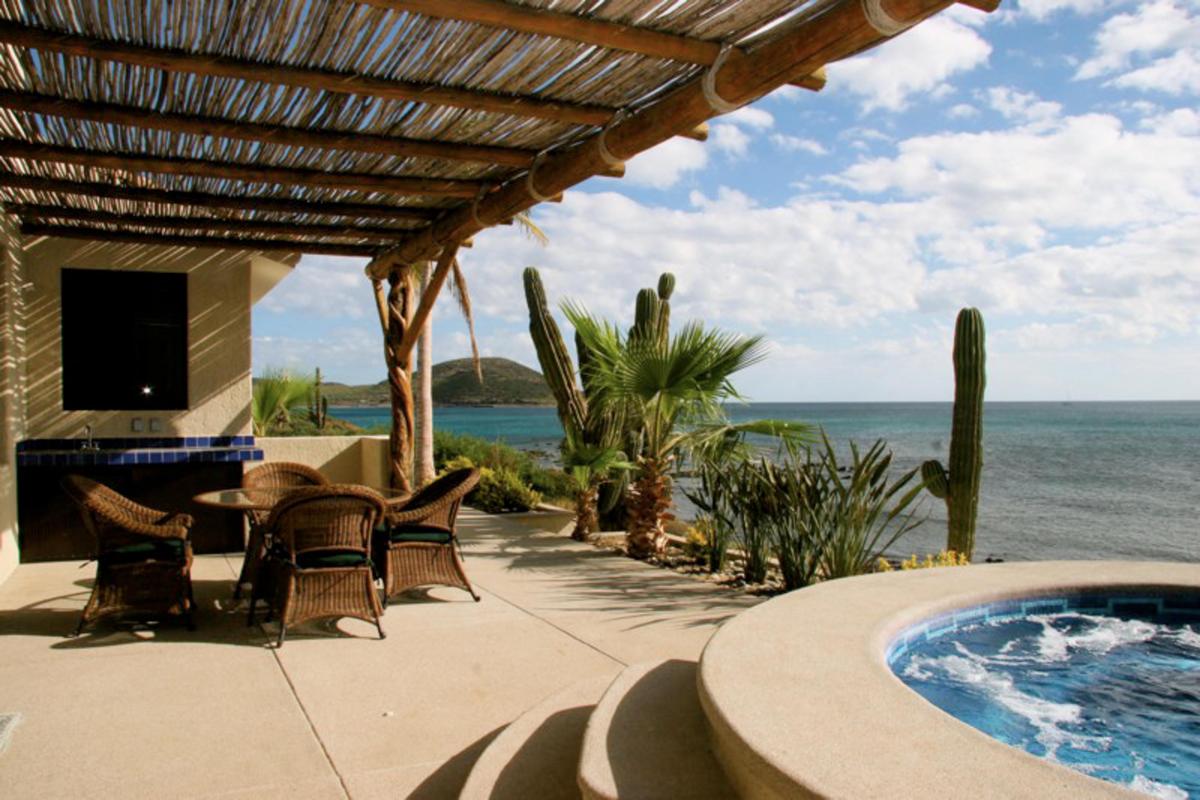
[277, 475]
[320, 559]
[143, 555]
[418, 546]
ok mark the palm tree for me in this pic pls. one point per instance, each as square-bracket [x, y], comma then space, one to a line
[590, 466]
[671, 391]
[423, 466]
[273, 394]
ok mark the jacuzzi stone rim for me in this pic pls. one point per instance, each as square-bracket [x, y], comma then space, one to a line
[801, 701]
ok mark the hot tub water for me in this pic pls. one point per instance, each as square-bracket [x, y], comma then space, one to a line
[1106, 686]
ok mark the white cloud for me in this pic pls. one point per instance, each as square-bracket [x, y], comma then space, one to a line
[1161, 37]
[751, 117]
[730, 139]
[1086, 172]
[1040, 9]
[1176, 74]
[665, 165]
[919, 62]
[962, 111]
[322, 286]
[1022, 106]
[798, 144]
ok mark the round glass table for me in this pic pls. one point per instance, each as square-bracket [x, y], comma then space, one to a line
[264, 499]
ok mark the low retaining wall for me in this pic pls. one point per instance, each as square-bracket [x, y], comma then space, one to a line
[342, 459]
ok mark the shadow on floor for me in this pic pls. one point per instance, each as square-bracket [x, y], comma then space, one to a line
[447, 781]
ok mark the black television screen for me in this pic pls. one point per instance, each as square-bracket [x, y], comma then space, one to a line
[124, 340]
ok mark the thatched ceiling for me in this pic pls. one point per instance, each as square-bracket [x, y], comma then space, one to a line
[337, 126]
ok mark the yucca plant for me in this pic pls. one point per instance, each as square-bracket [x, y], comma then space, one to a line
[273, 395]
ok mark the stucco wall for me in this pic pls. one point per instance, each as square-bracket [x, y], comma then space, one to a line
[342, 459]
[12, 411]
[219, 291]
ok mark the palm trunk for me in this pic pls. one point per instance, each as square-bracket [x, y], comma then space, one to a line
[586, 520]
[649, 499]
[423, 467]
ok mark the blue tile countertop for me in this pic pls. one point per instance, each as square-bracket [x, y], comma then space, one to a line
[141, 450]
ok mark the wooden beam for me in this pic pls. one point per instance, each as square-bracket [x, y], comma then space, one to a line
[573, 27]
[272, 134]
[251, 173]
[843, 28]
[159, 58]
[280, 205]
[216, 242]
[815, 81]
[32, 211]
[563, 25]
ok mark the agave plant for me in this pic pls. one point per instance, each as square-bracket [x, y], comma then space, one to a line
[273, 396]
[863, 511]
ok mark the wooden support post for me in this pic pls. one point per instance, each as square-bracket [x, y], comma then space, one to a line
[395, 309]
[402, 320]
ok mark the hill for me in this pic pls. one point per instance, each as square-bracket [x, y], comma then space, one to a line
[505, 383]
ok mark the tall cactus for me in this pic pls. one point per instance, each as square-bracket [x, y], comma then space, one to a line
[318, 406]
[666, 287]
[553, 357]
[959, 486]
[645, 316]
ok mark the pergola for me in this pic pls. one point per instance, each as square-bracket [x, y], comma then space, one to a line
[390, 129]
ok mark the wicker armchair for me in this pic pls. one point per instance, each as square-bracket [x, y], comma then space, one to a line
[277, 475]
[320, 559]
[143, 556]
[418, 546]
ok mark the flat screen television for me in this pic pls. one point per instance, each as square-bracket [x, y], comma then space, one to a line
[124, 340]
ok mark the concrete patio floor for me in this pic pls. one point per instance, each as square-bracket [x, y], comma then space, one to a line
[336, 712]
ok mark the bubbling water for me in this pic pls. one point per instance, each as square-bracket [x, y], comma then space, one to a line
[1115, 697]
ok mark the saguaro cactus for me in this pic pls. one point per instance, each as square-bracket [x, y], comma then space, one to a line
[959, 486]
[553, 356]
[666, 287]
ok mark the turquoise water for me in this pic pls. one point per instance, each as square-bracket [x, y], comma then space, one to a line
[1111, 689]
[1075, 480]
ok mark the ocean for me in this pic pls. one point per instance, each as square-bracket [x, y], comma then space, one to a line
[1060, 480]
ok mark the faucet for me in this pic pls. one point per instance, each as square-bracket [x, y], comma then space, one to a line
[89, 444]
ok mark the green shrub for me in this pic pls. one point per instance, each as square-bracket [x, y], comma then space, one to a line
[456, 450]
[502, 490]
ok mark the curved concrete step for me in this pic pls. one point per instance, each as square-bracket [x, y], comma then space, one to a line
[537, 755]
[648, 739]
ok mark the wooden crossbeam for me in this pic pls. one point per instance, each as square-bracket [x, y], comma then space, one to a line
[271, 134]
[843, 29]
[217, 242]
[33, 211]
[210, 200]
[40, 39]
[252, 173]
[576, 28]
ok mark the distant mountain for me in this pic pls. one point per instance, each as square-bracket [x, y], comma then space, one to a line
[505, 383]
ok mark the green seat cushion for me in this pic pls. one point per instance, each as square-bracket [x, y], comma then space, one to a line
[331, 559]
[419, 533]
[148, 550]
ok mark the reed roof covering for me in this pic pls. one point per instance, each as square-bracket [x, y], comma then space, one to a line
[361, 128]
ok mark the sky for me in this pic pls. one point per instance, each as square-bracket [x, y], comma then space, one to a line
[1041, 163]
